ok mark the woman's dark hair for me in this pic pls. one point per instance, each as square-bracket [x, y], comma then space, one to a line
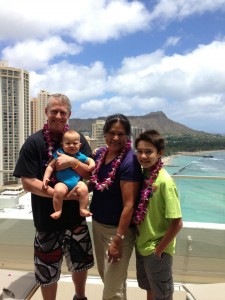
[153, 137]
[117, 118]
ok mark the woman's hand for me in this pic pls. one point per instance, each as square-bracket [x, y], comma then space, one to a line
[115, 250]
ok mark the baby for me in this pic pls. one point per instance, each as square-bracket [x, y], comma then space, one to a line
[67, 179]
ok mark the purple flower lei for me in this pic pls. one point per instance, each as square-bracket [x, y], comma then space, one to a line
[111, 175]
[48, 141]
[146, 194]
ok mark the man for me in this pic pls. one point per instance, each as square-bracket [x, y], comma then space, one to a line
[69, 234]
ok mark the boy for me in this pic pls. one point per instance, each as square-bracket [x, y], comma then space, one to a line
[158, 219]
[68, 178]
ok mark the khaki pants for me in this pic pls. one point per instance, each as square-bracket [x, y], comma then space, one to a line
[113, 275]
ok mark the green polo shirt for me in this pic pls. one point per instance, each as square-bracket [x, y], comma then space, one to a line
[163, 206]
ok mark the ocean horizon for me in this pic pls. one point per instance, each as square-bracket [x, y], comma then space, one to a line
[202, 200]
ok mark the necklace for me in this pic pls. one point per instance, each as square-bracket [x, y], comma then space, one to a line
[106, 182]
[146, 194]
[50, 144]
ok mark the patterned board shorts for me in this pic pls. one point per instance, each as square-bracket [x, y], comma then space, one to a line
[50, 247]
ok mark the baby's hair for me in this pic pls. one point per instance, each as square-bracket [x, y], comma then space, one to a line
[153, 137]
[69, 133]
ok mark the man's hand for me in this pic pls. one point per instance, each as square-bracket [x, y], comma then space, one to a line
[63, 161]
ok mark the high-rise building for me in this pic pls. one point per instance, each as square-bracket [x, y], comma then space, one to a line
[38, 117]
[14, 118]
[98, 139]
[42, 102]
[135, 131]
[34, 115]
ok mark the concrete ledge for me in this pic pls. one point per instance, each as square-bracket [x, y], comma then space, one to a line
[205, 291]
[21, 284]
[94, 290]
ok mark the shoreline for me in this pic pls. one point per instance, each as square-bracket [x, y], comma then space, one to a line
[167, 160]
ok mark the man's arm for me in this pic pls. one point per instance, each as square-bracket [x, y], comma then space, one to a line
[65, 161]
[48, 172]
[35, 186]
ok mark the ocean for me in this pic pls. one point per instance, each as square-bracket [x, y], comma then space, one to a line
[202, 200]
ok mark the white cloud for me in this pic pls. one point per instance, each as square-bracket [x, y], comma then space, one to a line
[76, 81]
[167, 10]
[111, 20]
[151, 104]
[204, 102]
[188, 85]
[86, 20]
[107, 106]
[176, 77]
[46, 38]
[200, 113]
[128, 106]
[171, 41]
[34, 54]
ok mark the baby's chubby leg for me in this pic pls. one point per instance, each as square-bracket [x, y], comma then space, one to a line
[82, 192]
[60, 190]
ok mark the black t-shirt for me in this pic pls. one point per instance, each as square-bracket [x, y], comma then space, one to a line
[32, 162]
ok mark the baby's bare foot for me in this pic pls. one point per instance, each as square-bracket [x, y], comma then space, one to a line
[56, 214]
[85, 213]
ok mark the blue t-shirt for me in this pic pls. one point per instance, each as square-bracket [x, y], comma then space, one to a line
[107, 205]
[69, 176]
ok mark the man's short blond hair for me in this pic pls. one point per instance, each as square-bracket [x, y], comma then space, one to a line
[63, 99]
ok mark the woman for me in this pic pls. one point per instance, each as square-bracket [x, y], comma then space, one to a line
[116, 181]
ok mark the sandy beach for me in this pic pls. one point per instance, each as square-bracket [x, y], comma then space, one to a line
[167, 160]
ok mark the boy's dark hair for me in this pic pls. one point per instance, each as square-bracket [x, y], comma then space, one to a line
[153, 137]
[117, 118]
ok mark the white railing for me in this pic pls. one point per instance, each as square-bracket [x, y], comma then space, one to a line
[199, 257]
[198, 177]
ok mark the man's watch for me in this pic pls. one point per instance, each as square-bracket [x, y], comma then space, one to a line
[121, 236]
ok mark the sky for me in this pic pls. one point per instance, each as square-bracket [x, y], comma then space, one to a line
[121, 56]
